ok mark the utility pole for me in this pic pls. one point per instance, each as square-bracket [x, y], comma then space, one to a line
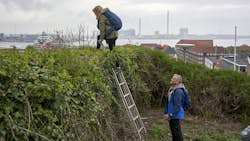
[235, 40]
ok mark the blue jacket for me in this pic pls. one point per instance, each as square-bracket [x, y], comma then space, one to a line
[173, 107]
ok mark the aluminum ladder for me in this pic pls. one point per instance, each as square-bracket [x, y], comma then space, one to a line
[129, 104]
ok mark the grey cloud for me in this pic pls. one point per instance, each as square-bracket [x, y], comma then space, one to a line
[190, 4]
[26, 5]
[194, 2]
[198, 15]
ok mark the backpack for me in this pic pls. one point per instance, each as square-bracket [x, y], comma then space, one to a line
[115, 21]
[186, 101]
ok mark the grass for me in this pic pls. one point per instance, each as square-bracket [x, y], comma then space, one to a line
[194, 128]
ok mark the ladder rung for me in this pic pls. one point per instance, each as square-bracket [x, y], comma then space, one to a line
[126, 94]
[129, 107]
[140, 129]
[136, 117]
[122, 83]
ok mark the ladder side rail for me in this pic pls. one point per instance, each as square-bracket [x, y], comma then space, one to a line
[124, 100]
[134, 102]
[120, 91]
[137, 122]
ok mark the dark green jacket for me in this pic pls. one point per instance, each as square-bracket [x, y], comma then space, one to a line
[104, 25]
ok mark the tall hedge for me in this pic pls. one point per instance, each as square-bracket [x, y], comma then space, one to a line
[70, 94]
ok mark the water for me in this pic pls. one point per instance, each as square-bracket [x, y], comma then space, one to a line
[20, 45]
[227, 42]
[171, 42]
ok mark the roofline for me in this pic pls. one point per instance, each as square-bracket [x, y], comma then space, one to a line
[196, 40]
[185, 45]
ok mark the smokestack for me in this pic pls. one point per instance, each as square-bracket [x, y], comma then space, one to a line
[167, 28]
[139, 34]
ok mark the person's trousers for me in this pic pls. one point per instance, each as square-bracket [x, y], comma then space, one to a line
[175, 128]
[110, 42]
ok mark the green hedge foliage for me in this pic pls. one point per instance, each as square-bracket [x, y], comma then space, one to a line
[70, 94]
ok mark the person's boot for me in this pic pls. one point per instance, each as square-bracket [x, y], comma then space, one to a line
[98, 45]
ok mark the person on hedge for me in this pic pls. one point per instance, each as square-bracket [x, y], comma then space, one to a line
[103, 24]
[173, 110]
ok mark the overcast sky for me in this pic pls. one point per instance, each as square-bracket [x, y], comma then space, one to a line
[199, 16]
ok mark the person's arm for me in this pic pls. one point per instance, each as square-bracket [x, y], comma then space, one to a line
[102, 27]
[166, 107]
[177, 101]
[166, 116]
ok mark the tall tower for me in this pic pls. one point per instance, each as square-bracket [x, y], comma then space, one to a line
[139, 33]
[167, 28]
